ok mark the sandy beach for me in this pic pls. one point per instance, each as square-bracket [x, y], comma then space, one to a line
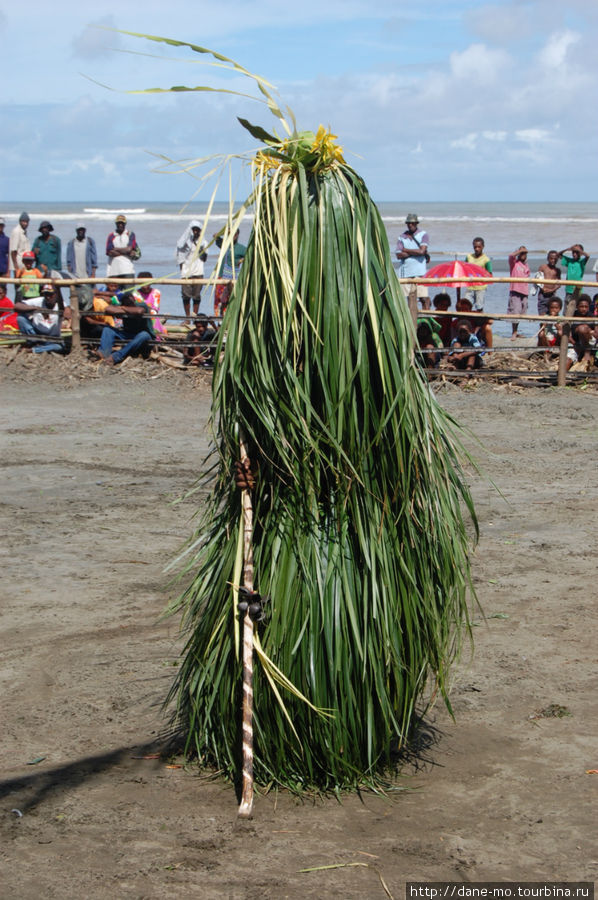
[93, 461]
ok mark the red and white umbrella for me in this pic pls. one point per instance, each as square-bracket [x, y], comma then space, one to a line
[458, 269]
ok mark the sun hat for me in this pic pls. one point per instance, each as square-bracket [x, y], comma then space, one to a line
[46, 224]
[2, 222]
[411, 218]
[121, 218]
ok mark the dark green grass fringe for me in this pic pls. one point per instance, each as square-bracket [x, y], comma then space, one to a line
[360, 532]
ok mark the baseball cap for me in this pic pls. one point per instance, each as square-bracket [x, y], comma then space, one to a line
[121, 218]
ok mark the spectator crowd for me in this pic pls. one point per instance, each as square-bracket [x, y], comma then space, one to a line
[463, 341]
[120, 319]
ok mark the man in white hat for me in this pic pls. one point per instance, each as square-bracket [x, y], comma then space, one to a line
[191, 255]
[412, 250]
[121, 250]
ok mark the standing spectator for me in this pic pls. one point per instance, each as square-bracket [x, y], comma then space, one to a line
[82, 262]
[574, 267]
[19, 242]
[229, 268]
[191, 256]
[4, 249]
[546, 292]
[478, 258]
[121, 250]
[48, 251]
[412, 250]
[519, 291]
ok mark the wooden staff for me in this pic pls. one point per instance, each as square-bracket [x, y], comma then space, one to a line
[246, 805]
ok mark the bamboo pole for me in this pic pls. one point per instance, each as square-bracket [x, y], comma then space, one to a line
[246, 805]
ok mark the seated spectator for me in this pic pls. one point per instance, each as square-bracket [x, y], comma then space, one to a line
[91, 326]
[482, 327]
[31, 274]
[582, 340]
[429, 342]
[136, 331]
[8, 316]
[550, 333]
[442, 302]
[201, 352]
[466, 349]
[151, 296]
[42, 316]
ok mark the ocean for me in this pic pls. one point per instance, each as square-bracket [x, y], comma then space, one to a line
[451, 228]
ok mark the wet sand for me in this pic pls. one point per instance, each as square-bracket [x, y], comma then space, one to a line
[91, 467]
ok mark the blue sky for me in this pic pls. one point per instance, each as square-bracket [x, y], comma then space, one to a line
[453, 100]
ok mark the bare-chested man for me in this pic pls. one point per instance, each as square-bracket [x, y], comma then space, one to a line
[546, 292]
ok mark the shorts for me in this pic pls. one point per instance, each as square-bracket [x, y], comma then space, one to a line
[476, 297]
[191, 291]
[517, 305]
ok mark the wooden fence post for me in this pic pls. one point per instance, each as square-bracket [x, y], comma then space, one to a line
[75, 322]
[561, 379]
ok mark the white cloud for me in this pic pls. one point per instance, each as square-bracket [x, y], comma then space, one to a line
[503, 23]
[468, 142]
[554, 53]
[95, 41]
[532, 135]
[495, 135]
[107, 167]
[478, 64]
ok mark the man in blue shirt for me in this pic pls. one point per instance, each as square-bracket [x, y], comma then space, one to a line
[82, 262]
[412, 250]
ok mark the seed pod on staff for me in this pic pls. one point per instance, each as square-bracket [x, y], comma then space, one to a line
[360, 507]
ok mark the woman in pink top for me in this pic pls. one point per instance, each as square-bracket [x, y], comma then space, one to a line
[519, 291]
